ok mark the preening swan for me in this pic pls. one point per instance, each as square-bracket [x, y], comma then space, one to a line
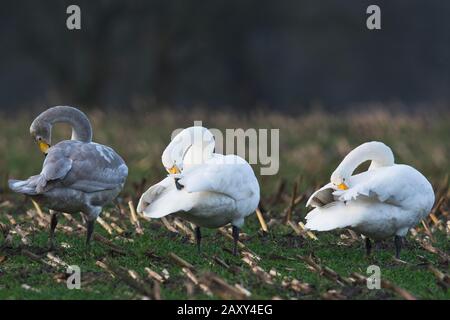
[78, 175]
[385, 201]
[203, 187]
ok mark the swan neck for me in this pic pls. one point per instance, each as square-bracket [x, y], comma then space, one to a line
[198, 154]
[81, 127]
[378, 153]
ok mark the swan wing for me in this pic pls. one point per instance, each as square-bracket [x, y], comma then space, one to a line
[96, 168]
[333, 215]
[163, 199]
[88, 167]
[322, 197]
[371, 216]
[229, 175]
[398, 185]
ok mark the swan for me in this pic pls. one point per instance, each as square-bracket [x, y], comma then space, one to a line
[208, 189]
[78, 175]
[385, 201]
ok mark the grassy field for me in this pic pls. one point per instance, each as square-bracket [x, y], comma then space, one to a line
[136, 258]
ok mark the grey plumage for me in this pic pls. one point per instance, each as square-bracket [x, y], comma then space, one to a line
[81, 127]
[77, 176]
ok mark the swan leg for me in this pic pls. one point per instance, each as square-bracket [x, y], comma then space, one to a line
[53, 224]
[398, 246]
[368, 246]
[235, 239]
[198, 237]
[90, 231]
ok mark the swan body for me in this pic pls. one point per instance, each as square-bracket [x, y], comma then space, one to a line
[214, 194]
[385, 201]
[211, 190]
[78, 175]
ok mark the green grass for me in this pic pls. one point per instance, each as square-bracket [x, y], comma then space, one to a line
[279, 250]
[310, 147]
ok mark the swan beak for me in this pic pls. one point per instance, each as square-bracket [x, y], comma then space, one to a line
[173, 170]
[44, 147]
[342, 186]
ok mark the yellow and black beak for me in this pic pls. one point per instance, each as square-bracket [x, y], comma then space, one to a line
[173, 170]
[43, 146]
[342, 186]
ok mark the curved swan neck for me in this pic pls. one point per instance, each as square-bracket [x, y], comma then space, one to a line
[198, 154]
[81, 127]
[199, 146]
[194, 145]
[379, 153]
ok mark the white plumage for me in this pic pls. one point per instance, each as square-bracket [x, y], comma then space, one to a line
[205, 188]
[385, 201]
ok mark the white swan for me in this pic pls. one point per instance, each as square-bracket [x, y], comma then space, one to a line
[387, 200]
[203, 187]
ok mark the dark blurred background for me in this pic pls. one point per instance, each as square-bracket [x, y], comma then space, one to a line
[285, 55]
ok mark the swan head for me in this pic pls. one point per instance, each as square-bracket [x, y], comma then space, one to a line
[191, 146]
[339, 180]
[41, 133]
[41, 128]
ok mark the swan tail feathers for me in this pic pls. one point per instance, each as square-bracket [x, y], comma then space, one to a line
[330, 217]
[160, 202]
[32, 186]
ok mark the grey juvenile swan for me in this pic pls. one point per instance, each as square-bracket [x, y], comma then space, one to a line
[78, 175]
